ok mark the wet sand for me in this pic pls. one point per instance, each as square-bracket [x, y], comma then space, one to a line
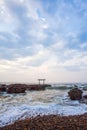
[50, 122]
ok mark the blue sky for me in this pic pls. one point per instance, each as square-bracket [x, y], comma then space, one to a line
[43, 39]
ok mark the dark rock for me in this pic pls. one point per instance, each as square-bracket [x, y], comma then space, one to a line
[16, 88]
[2, 87]
[75, 94]
[36, 87]
[85, 96]
[20, 88]
[85, 88]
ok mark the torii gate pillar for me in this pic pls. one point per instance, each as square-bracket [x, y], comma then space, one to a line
[43, 81]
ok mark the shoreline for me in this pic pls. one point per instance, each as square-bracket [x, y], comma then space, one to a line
[50, 122]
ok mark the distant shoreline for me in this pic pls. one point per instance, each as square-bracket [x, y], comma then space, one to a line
[8, 82]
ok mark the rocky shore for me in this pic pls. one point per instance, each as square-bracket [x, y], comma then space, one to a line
[21, 88]
[50, 122]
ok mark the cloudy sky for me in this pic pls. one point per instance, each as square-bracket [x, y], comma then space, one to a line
[43, 39]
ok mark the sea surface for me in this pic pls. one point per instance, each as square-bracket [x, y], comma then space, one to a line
[53, 100]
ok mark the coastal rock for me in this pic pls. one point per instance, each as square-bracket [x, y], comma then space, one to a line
[85, 88]
[20, 88]
[85, 96]
[2, 87]
[16, 88]
[36, 87]
[75, 94]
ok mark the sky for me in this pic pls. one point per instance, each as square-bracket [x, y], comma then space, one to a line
[43, 39]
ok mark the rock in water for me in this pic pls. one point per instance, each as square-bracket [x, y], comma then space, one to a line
[85, 96]
[3, 87]
[75, 94]
[16, 88]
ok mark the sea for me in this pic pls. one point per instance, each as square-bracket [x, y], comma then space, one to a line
[52, 100]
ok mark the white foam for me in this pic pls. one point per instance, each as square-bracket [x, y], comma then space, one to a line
[23, 111]
[31, 104]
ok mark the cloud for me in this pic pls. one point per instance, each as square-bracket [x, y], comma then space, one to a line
[3, 38]
[83, 45]
[43, 37]
[6, 19]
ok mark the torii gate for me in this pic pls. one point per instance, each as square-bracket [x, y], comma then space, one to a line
[41, 80]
